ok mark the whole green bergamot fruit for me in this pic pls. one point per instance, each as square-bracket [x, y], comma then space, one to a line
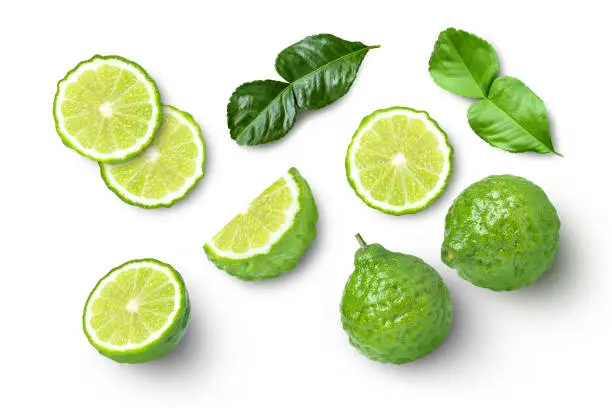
[502, 233]
[395, 307]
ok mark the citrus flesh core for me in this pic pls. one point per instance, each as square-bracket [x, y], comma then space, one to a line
[501, 233]
[271, 235]
[107, 108]
[167, 169]
[395, 308]
[137, 312]
[399, 160]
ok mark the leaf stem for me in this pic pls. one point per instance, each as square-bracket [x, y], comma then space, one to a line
[362, 243]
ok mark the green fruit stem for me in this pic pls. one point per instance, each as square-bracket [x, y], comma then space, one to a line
[362, 243]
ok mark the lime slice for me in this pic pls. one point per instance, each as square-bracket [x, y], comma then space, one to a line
[399, 160]
[166, 170]
[107, 109]
[137, 312]
[271, 235]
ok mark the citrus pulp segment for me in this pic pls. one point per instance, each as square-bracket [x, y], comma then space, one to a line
[399, 160]
[167, 170]
[271, 235]
[107, 108]
[137, 312]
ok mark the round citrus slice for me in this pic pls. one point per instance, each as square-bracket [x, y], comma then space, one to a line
[271, 235]
[107, 109]
[399, 160]
[138, 312]
[167, 170]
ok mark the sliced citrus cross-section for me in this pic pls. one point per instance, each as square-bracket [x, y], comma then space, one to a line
[166, 170]
[399, 160]
[107, 109]
[138, 312]
[271, 235]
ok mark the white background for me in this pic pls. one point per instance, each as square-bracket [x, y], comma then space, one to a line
[280, 343]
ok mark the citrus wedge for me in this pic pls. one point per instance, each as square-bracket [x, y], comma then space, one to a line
[271, 235]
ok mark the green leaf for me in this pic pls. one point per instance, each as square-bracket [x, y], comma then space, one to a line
[321, 68]
[512, 118]
[261, 112]
[463, 63]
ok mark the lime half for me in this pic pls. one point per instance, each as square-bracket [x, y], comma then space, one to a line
[271, 235]
[137, 312]
[399, 160]
[107, 109]
[166, 170]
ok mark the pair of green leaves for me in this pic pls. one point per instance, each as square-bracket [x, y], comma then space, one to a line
[508, 115]
[319, 70]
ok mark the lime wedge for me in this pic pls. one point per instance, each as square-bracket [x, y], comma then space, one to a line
[166, 170]
[107, 109]
[399, 160]
[271, 235]
[137, 312]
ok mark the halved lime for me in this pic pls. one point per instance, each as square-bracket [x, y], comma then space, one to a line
[271, 235]
[399, 160]
[107, 109]
[166, 170]
[138, 312]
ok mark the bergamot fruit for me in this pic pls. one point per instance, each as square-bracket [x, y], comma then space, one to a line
[271, 235]
[138, 312]
[399, 160]
[502, 233]
[395, 307]
[167, 170]
[107, 109]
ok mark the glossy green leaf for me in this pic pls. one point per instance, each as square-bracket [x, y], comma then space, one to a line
[463, 63]
[321, 68]
[261, 112]
[512, 118]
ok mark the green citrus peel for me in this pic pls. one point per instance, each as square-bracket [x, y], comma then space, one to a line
[271, 235]
[395, 308]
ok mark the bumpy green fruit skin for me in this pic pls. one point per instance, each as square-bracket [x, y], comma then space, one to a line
[395, 307]
[286, 253]
[502, 233]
